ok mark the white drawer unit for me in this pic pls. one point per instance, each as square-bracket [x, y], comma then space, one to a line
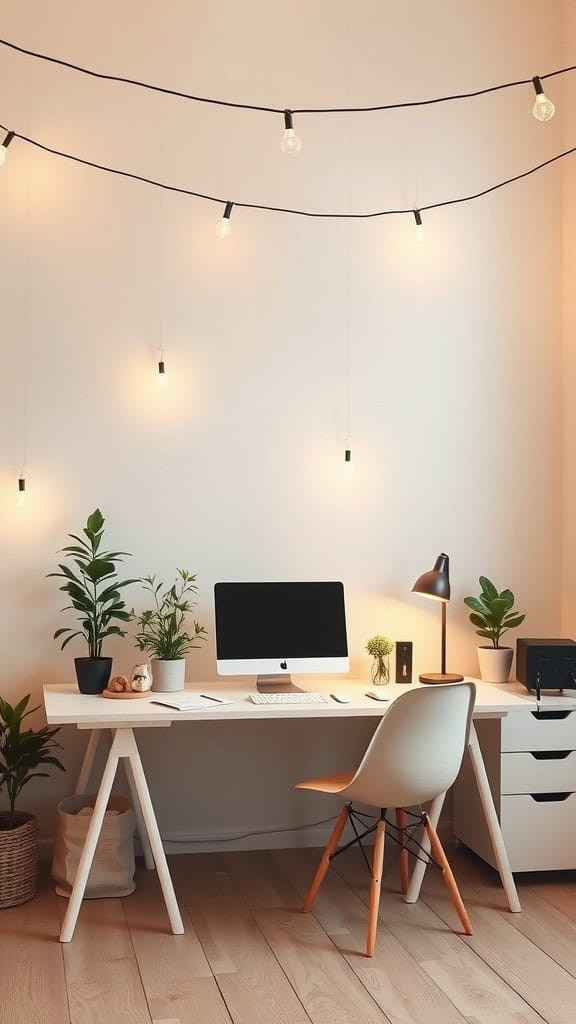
[531, 764]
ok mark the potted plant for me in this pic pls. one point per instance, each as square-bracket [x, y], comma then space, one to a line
[94, 591]
[22, 751]
[380, 647]
[163, 632]
[492, 614]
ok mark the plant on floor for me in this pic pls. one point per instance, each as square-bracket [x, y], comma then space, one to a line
[162, 630]
[93, 588]
[492, 612]
[22, 751]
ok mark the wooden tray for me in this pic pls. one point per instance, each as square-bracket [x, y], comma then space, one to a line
[127, 695]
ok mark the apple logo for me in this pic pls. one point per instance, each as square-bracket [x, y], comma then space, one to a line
[283, 664]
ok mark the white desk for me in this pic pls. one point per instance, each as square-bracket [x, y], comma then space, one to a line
[66, 706]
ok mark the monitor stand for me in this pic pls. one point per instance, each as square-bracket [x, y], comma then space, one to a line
[276, 684]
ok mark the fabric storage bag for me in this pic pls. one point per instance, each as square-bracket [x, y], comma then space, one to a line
[112, 871]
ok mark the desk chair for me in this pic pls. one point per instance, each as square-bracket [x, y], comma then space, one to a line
[414, 756]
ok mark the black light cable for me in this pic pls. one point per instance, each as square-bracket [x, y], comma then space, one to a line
[228, 204]
[279, 110]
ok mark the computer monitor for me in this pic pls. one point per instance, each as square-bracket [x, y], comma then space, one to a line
[277, 630]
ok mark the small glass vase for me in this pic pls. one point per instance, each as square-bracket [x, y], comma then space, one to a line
[380, 671]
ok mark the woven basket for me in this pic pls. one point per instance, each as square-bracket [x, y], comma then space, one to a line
[18, 858]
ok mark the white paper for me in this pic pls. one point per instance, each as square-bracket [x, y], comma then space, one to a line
[189, 702]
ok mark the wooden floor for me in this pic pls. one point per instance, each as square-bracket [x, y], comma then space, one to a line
[249, 957]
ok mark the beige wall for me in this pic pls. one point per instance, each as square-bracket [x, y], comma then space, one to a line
[569, 348]
[236, 470]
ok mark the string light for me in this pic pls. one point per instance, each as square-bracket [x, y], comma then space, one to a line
[290, 142]
[277, 110]
[321, 215]
[543, 108]
[161, 369]
[21, 490]
[4, 147]
[347, 455]
[224, 227]
[419, 225]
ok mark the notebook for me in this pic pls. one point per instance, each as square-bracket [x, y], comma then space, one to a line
[189, 701]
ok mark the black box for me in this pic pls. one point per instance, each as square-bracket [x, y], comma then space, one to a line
[554, 660]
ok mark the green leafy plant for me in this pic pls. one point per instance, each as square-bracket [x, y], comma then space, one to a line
[162, 630]
[23, 750]
[492, 612]
[93, 587]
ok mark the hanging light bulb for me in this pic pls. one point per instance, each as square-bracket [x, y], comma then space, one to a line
[224, 228]
[161, 369]
[290, 142]
[347, 455]
[543, 108]
[419, 225]
[21, 490]
[3, 148]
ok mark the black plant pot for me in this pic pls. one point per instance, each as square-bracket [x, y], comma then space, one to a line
[92, 674]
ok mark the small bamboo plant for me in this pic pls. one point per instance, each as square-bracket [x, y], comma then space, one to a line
[380, 647]
[162, 630]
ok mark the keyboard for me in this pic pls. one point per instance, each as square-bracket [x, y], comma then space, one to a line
[288, 698]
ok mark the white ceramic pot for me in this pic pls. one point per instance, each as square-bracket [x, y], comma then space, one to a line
[495, 663]
[168, 675]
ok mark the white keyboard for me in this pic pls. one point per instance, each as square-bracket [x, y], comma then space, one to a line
[288, 698]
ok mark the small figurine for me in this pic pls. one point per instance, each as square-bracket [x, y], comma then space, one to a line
[141, 679]
[118, 684]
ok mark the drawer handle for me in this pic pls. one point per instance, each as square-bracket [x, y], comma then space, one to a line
[550, 716]
[542, 798]
[550, 755]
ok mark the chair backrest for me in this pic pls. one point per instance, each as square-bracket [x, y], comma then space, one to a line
[416, 751]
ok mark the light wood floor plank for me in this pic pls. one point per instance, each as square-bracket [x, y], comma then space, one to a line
[102, 976]
[542, 983]
[32, 981]
[394, 977]
[464, 978]
[323, 980]
[254, 986]
[176, 975]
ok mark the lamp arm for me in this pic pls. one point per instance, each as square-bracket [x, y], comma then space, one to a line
[443, 658]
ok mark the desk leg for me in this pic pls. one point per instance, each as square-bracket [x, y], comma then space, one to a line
[130, 750]
[421, 865]
[91, 841]
[140, 826]
[87, 763]
[492, 822]
[123, 746]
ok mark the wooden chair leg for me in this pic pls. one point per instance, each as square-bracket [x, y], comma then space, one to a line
[325, 860]
[377, 867]
[441, 858]
[402, 821]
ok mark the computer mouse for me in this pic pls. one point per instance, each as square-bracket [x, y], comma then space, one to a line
[376, 695]
[342, 698]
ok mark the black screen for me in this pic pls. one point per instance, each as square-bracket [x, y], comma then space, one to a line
[257, 621]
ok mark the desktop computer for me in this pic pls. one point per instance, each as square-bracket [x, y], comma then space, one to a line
[278, 630]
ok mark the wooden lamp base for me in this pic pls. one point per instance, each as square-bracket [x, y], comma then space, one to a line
[440, 677]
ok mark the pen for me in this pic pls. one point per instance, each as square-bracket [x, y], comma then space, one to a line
[217, 700]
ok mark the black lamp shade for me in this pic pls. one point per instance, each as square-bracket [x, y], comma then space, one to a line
[435, 583]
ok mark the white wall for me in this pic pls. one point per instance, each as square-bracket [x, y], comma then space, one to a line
[236, 469]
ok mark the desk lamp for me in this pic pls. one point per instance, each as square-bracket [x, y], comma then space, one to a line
[436, 584]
